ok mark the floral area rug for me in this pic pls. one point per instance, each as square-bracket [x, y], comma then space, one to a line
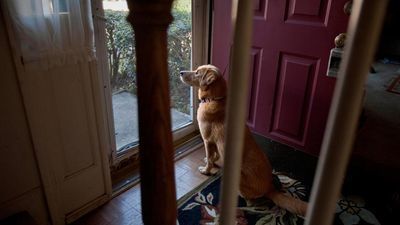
[201, 207]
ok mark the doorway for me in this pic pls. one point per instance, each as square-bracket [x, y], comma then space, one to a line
[187, 48]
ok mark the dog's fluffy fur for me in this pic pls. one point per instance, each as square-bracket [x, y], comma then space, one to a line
[256, 172]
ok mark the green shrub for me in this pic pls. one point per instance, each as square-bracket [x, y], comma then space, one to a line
[122, 56]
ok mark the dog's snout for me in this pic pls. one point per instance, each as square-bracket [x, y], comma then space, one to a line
[183, 72]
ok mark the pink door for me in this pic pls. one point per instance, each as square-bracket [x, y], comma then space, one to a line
[290, 94]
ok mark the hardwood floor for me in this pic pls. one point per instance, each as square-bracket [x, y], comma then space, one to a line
[126, 209]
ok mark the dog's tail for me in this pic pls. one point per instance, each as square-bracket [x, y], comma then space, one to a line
[289, 203]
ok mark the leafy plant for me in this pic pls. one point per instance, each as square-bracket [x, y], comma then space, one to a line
[122, 55]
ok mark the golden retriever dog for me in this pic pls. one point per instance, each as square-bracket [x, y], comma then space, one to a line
[256, 173]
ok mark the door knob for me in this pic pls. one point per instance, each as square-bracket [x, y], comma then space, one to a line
[340, 40]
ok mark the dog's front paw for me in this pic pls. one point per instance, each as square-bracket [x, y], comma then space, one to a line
[204, 170]
[212, 160]
[208, 170]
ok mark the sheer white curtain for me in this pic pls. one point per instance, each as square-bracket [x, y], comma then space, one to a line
[52, 33]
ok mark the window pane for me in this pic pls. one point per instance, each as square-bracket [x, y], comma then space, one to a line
[122, 64]
[179, 58]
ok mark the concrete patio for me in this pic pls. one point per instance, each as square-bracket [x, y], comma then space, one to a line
[126, 118]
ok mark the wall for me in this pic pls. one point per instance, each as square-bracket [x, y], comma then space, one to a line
[389, 45]
[20, 187]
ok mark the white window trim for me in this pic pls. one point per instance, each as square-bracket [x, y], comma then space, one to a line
[200, 46]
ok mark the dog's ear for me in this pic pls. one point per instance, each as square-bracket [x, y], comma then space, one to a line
[215, 70]
[208, 79]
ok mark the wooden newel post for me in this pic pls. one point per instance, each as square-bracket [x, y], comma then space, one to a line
[150, 21]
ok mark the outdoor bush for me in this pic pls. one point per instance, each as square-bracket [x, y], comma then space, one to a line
[121, 54]
[122, 58]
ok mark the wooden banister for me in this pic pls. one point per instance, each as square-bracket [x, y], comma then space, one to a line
[150, 20]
